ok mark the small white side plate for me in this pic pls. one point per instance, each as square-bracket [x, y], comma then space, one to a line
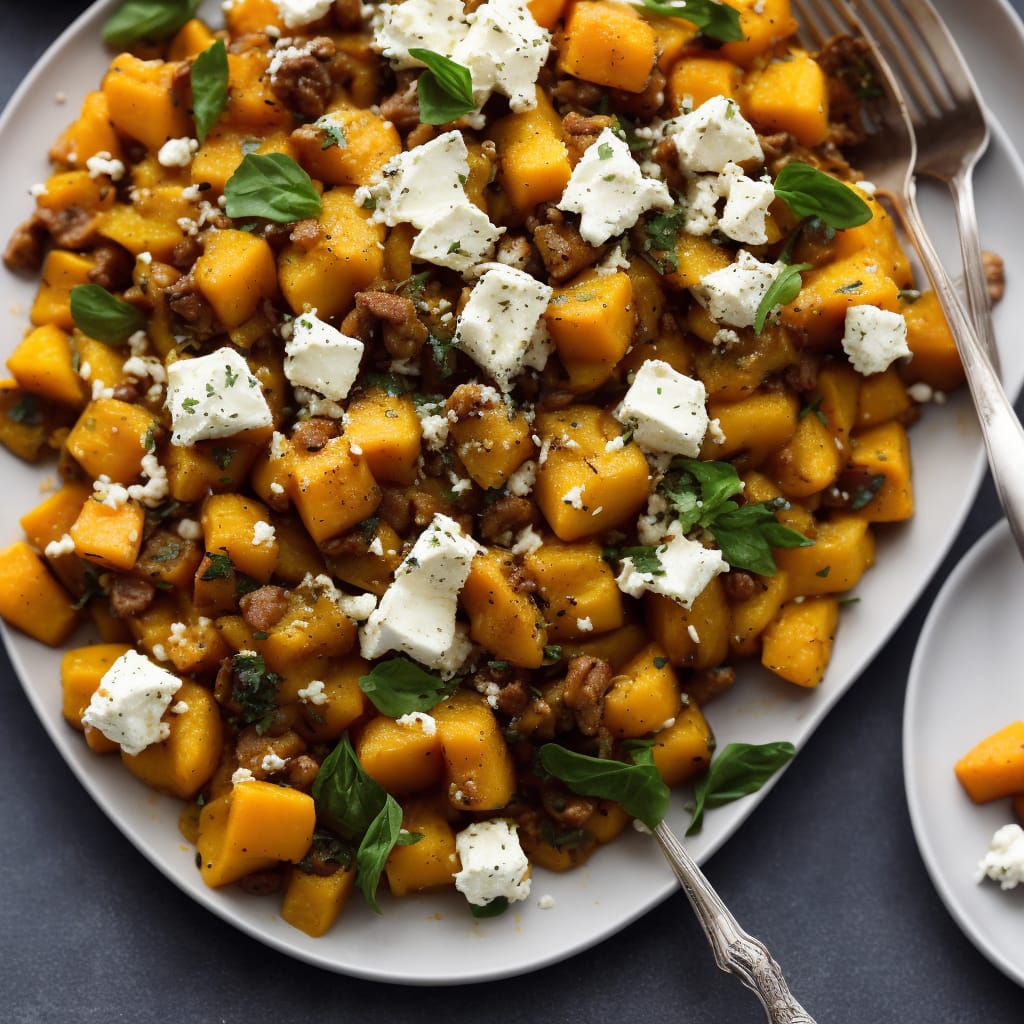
[967, 682]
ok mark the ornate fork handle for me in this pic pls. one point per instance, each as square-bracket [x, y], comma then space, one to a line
[735, 951]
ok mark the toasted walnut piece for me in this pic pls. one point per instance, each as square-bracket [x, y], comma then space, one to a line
[508, 514]
[312, 434]
[586, 683]
[995, 274]
[130, 596]
[703, 687]
[264, 607]
[401, 330]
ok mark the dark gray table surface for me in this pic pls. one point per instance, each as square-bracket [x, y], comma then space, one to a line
[826, 871]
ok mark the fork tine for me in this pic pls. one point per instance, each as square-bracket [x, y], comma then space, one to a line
[905, 43]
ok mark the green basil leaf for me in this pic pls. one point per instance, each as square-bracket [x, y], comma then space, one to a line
[714, 19]
[747, 535]
[495, 908]
[445, 89]
[375, 848]
[809, 192]
[147, 19]
[104, 316]
[399, 686]
[347, 800]
[738, 770]
[701, 491]
[638, 787]
[645, 559]
[209, 76]
[272, 186]
[783, 290]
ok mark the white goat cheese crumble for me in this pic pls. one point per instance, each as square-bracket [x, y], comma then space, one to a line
[493, 863]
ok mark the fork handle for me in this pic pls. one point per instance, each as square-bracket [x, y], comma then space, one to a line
[736, 952]
[961, 188]
[1000, 428]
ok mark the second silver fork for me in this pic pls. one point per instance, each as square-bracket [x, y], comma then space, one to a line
[891, 153]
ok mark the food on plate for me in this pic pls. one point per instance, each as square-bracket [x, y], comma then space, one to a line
[446, 401]
[993, 770]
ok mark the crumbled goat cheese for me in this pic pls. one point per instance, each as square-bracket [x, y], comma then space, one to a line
[104, 163]
[874, 338]
[177, 152]
[426, 722]
[493, 863]
[313, 693]
[666, 410]
[713, 135]
[733, 294]
[609, 191]
[687, 567]
[296, 13]
[1004, 862]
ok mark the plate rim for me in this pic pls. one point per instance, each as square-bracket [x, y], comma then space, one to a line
[730, 818]
[995, 539]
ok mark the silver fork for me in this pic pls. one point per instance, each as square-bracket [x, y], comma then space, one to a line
[888, 158]
[735, 951]
[949, 123]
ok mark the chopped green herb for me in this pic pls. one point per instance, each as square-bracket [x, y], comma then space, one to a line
[254, 689]
[104, 316]
[136, 20]
[783, 290]
[715, 20]
[399, 686]
[645, 559]
[218, 567]
[25, 411]
[444, 89]
[809, 192]
[209, 78]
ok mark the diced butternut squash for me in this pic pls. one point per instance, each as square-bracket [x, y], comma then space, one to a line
[479, 772]
[109, 537]
[153, 223]
[332, 489]
[313, 626]
[697, 637]
[240, 528]
[143, 103]
[683, 748]
[196, 470]
[31, 599]
[757, 425]
[503, 619]
[312, 903]
[882, 397]
[533, 162]
[402, 757]
[235, 273]
[751, 616]
[575, 584]
[387, 430]
[371, 570]
[608, 44]
[253, 827]
[843, 548]
[880, 458]
[797, 645]
[92, 133]
[194, 649]
[828, 292]
[696, 257]
[110, 439]
[788, 95]
[184, 762]
[492, 439]
[253, 106]
[346, 146]
[591, 323]
[693, 80]
[190, 40]
[62, 271]
[43, 365]
[809, 461]
[341, 702]
[764, 24]
[168, 560]
[644, 695]
[344, 260]
[994, 768]
[582, 487]
[431, 862]
[936, 359]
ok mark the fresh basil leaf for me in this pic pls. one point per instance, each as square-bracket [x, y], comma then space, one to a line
[104, 316]
[147, 19]
[375, 848]
[715, 20]
[209, 76]
[747, 535]
[809, 192]
[347, 800]
[638, 787]
[494, 908]
[736, 771]
[272, 186]
[399, 686]
[783, 290]
[218, 567]
[445, 88]
[700, 491]
[645, 559]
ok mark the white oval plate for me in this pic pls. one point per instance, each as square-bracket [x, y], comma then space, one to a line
[965, 684]
[432, 940]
